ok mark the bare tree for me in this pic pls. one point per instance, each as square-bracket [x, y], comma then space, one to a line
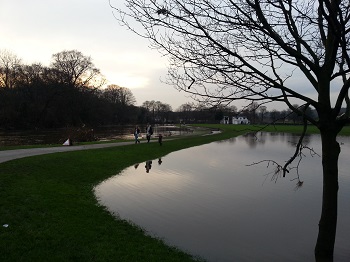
[186, 111]
[162, 111]
[76, 69]
[251, 111]
[10, 66]
[119, 95]
[121, 101]
[149, 107]
[187, 107]
[258, 50]
[232, 109]
[262, 110]
[156, 111]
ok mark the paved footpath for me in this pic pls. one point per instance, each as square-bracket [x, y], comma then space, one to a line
[8, 155]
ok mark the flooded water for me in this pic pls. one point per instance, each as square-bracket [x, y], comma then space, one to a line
[58, 136]
[208, 202]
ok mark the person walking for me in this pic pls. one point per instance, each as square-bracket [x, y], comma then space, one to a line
[149, 132]
[160, 139]
[136, 134]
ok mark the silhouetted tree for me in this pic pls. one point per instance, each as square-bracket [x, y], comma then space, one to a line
[250, 50]
[156, 111]
[274, 115]
[121, 99]
[68, 93]
[9, 69]
[262, 110]
[119, 95]
[186, 111]
[76, 69]
[162, 111]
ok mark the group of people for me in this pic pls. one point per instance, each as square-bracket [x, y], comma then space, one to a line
[149, 133]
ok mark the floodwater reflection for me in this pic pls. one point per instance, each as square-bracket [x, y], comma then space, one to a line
[148, 164]
[208, 202]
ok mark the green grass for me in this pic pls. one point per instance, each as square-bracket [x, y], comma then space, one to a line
[52, 213]
[297, 129]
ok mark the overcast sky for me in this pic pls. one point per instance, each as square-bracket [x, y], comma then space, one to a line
[34, 30]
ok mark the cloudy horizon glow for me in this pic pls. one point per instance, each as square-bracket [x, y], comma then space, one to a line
[35, 30]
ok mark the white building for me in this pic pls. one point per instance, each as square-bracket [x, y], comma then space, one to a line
[240, 120]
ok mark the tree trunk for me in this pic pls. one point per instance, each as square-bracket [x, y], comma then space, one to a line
[328, 222]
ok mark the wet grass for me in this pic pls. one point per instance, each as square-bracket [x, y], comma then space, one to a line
[52, 214]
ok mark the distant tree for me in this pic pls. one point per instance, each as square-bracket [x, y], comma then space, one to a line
[76, 69]
[149, 113]
[148, 105]
[232, 109]
[219, 115]
[36, 95]
[204, 114]
[30, 74]
[66, 94]
[9, 69]
[186, 111]
[293, 116]
[274, 115]
[262, 110]
[156, 111]
[162, 111]
[119, 95]
[187, 107]
[121, 100]
[250, 111]
[79, 81]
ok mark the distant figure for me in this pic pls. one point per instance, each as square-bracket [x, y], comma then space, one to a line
[136, 166]
[160, 161]
[149, 132]
[136, 134]
[160, 139]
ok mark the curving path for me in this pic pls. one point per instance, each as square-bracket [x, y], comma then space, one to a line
[8, 155]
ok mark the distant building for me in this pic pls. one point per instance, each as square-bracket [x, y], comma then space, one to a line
[225, 120]
[240, 120]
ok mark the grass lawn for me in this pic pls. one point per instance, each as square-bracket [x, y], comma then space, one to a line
[52, 213]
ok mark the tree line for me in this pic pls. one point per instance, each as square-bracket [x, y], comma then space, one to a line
[70, 93]
[67, 93]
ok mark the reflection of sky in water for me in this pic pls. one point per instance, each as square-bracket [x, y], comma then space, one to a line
[207, 201]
